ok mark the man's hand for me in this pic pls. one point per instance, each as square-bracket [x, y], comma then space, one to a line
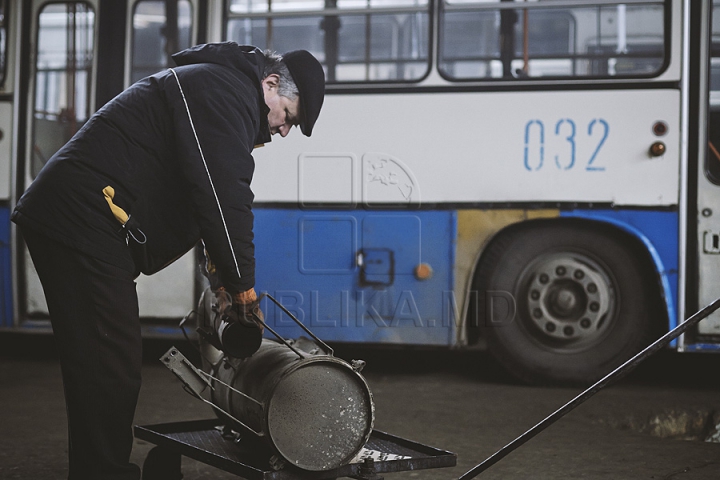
[238, 327]
[224, 300]
[250, 315]
[248, 296]
[242, 307]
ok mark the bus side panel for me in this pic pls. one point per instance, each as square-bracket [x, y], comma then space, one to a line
[477, 147]
[350, 276]
[658, 231]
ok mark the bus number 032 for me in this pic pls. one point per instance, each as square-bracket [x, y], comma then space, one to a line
[565, 130]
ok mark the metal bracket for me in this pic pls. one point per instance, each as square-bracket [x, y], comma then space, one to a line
[196, 380]
[185, 371]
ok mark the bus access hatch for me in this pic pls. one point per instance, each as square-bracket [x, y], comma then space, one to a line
[209, 442]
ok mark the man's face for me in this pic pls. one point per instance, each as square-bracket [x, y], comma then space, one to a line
[283, 111]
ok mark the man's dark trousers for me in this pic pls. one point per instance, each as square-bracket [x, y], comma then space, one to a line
[94, 313]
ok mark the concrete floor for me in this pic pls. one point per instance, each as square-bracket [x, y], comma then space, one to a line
[457, 401]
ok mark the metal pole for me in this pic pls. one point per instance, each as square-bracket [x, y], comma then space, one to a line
[616, 374]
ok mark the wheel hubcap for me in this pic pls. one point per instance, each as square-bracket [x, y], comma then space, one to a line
[568, 297]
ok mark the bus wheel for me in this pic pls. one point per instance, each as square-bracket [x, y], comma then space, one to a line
[584, 301]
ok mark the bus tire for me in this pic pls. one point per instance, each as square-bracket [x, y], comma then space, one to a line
[584, 298]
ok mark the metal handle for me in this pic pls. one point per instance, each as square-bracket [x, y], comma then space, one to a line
[620, 371]
[307, 330]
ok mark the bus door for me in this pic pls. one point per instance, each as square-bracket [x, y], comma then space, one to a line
[74, 70]
[708, 176]
[60, 99]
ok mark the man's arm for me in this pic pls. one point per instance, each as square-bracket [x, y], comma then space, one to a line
[215, 129]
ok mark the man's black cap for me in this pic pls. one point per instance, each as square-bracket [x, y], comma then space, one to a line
[309, 77]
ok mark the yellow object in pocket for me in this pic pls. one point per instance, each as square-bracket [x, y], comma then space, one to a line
[118, 212]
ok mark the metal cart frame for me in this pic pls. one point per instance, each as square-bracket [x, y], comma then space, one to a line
[209, 442]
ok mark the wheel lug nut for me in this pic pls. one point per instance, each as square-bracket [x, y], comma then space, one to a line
[560, 271]
[568, 331]
[544, 278]
[550, 327]
[535, 295]
[537, 313]
[594, 306]
[592, 288]
[585, 323]
[579, 274]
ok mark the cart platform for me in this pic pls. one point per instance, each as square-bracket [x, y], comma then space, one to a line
[206, 441]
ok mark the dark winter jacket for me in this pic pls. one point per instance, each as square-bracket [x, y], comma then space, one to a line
[180, 177]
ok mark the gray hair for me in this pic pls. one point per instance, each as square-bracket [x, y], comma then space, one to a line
[275, 65]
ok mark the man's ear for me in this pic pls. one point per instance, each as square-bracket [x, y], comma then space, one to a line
[271, 82]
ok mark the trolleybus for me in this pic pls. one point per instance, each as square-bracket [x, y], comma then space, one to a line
[541, 178]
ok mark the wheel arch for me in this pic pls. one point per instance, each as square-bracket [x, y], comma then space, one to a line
[635, 238]
[650, 253]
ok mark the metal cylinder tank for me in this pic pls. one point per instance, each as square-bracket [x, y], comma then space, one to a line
[314, 410]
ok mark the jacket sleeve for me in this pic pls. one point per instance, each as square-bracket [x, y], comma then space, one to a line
[216, 119]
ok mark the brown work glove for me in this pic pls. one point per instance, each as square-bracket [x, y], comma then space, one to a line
[242, 307]
[248, 309]
[248, 296]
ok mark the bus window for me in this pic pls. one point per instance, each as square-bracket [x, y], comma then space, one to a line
[3, 40]
[712, 162]
[63, 75]
[514, 40]
[160, 29]
[356, 40]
